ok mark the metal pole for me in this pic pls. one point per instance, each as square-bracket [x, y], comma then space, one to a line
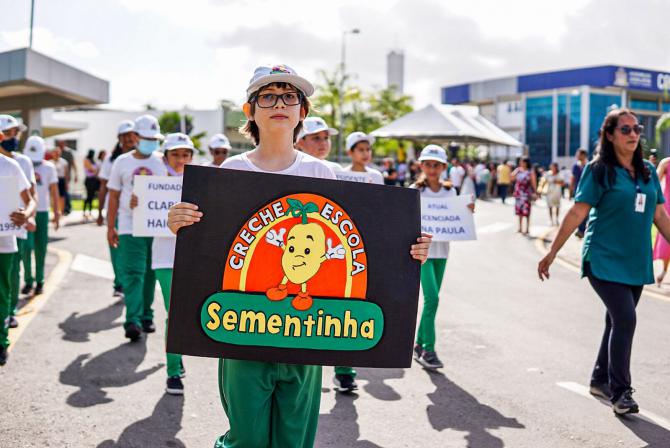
[340, 100]
[32, 17]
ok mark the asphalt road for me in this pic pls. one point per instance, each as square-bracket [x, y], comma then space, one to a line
[517, 354]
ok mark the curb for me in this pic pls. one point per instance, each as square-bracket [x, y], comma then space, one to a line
[28, 312]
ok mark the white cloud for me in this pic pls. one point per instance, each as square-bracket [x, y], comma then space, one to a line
[45, 41]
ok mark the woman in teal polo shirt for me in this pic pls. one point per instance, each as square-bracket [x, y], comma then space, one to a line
[622, 196]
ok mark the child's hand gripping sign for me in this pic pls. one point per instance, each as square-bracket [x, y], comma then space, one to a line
[296, 270]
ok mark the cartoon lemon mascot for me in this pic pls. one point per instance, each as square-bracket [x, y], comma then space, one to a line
[304, 251]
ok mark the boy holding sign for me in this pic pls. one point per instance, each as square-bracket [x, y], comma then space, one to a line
[11, 175]
[179, 151]
[433, 161]
[137, 277]
[272, 404]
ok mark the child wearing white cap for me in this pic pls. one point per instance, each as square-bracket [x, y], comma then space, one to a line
[433, 161]
[12, 130]
[179, 152]
[138, 279]
[359, 146]
[271, 404]
[47, 194]
[8, 246]
[219, 147]
[314, 139]
[126, 141]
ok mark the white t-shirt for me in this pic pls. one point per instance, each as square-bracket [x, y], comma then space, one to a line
[456, 175]
[304, 165]
[45, 174]
[11, 168]
[333, 165]
[124, 170]
[61, 167]
[375, 176]
[27, 167]
[106, 168]
[438, 249]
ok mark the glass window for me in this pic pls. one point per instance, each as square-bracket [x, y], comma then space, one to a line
[569, 127]
[665, 107]
[644, 104]
[538, 129]
[600, 104]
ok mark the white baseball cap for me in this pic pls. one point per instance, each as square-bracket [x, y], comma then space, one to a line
[433, 152]
[313, 125]
[268, 74]
[178, 141]
[356, 137]
[9, 122]
[146, 126]
[125, 126]
[219, 141]
[35, 148]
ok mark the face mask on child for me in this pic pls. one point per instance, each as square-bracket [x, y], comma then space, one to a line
[147, 147]
[10, 144]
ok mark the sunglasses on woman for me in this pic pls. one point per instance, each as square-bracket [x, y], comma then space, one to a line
[626, 129]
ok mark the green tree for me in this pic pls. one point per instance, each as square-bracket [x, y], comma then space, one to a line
[171, 122]
[662, 125]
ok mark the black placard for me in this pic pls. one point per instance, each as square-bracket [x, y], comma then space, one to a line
[235, 205]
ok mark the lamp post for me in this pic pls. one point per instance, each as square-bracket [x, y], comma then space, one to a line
[340, 123]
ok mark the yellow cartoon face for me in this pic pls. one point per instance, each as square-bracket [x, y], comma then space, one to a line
[304, 252]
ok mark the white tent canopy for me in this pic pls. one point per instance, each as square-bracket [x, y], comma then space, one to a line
[447, 123]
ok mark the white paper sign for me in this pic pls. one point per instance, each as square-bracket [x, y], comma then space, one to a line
[10, 201]
[448, 219]
[155, 196]
[354, 176]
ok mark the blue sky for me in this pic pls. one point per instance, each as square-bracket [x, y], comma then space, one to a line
[173, 53]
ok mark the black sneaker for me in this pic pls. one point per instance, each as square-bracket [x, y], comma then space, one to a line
[345, 383]
[429, 360]
[182, 370]
[418, 351]
[118, 291]
[27, 289]
[625, 404]
[148, 326]
[39, 289]
[133, 332]
[174, 386]
[12, 322]
[3, 355]
[600, 390]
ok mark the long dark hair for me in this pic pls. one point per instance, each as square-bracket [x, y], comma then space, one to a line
[605, 160]
[118, 150]
[91, 155]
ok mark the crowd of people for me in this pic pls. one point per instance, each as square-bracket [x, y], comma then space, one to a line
[618, 193]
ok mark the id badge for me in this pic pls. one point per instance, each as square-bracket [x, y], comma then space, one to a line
[640, 201]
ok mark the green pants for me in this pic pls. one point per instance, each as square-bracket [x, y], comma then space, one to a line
[341, 370]
[24, 246]
[432, 272]
[114, 255]
[139, 280]
[269, 404]
[6, 271]
[41, 241]
[164, 277]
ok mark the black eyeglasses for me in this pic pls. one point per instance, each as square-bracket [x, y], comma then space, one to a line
[268, 100]
[626, 129]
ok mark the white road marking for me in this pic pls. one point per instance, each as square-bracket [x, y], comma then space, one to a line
[494, 228]
[93, 266]
[584, 392]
